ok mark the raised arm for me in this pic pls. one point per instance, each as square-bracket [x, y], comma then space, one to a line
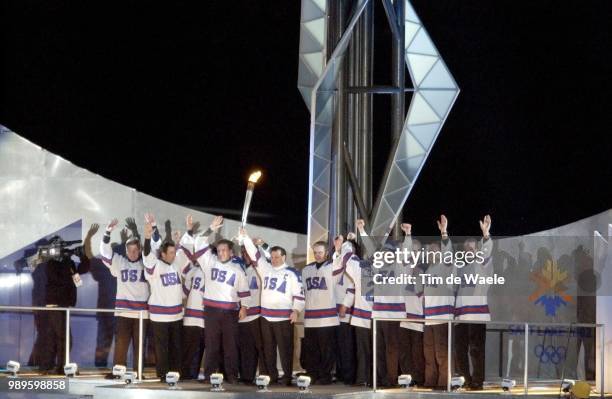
[110, 259]
[199, 243]
[350, 262]
[446, 245]
[407, 229]
[337, 265]
[255, 253]
[183, 254]
[156, 239]
[369, 246]
[486, 244]
[149, 256]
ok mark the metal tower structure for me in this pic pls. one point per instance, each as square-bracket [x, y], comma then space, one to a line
[335, 79]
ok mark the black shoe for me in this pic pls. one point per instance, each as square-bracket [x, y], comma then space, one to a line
[285, 381]
[474, 386]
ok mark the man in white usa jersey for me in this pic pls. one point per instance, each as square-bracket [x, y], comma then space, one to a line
[320, 315]
[226, 298]
[165, 302]
[282, 298]
[438, 305]
[411, 334]
[249, 328]
[389, 306]
[193, 320]
[472, 304]
[345, 334]
[361, 301]
[132, 293]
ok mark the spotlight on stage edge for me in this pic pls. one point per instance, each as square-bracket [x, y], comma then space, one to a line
[262, 382]
[70, 369]
[303, 382]
[172, 378]
[129, 377]
[457, 382]
[567, 384]
[507, 384]
[216, 381]
[118, 371]
[404, 380]
[13, 367]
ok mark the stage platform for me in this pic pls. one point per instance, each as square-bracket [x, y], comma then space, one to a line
[93, 385]
[191, 390]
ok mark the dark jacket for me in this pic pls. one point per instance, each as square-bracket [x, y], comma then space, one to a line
[60, 288]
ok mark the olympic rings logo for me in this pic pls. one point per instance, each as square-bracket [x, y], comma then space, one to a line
[552, 354]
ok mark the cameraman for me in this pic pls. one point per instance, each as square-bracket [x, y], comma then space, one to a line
[63, 277]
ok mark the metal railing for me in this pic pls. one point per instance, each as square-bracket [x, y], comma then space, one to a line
[505, 323]
[86, 310]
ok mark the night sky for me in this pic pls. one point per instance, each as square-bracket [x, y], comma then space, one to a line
[182, 99]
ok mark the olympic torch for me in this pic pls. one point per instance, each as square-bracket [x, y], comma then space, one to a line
[253, 178]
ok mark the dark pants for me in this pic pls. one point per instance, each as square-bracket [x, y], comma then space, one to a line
[167, 337]
[363, 344]
[193, 350]
[37, 356]
[104, 338]
[411, 354]
[251, 350]
[345, 353]
[387, 352]
[126, 333]
[149, 345]
[435, 349]
[221, 335]
[278, 334]
[54, 349]
[586, 336]
[470, 339]
[320, 353]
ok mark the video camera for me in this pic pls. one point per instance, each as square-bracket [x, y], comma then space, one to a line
[58, 249]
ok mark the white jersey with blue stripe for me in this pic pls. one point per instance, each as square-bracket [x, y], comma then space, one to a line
[413, 299]
[344, 287]
[254, 311]
[320, 284]
[472, 302]
[226, 282]
[193, 290]
[166, 300]
[132, 287]
[439, 301]
[361, 300]
[282, 291]
[391, 306]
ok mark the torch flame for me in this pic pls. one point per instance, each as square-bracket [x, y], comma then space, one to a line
[254, 176]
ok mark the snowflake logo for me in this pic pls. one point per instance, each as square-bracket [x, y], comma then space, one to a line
[551, 288]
